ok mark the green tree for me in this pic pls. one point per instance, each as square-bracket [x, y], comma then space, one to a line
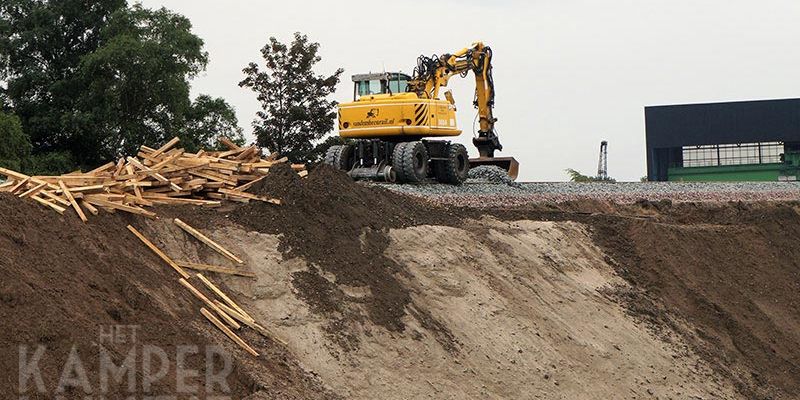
[5, 103]
[41, 45]
[296, 108]
[92, 81]
[137, 82]
[208, 120]
[15, 146]
[575, 176]
[54, 162]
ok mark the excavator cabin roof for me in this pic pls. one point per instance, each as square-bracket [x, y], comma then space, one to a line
[379, 76]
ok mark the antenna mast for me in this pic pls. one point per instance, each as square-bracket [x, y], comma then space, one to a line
[602, 164]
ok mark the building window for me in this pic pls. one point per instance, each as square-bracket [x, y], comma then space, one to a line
[732, 154]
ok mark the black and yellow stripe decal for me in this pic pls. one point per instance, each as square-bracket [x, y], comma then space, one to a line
[420, 112]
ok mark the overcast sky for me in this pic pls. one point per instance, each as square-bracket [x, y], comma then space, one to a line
[569, 73]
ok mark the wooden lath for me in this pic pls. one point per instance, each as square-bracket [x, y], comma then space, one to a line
[164, 175]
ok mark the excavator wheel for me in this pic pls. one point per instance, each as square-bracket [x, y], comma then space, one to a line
[453, 170]
[397, 155]
[340, 156]
[410, 160]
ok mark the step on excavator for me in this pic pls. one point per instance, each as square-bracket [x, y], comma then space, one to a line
[394, 124]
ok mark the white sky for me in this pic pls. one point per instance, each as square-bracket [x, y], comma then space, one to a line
[569, 73]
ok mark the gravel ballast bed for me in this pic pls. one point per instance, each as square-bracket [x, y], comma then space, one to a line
[487, 194]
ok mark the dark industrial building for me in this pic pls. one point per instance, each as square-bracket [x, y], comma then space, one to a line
[738, 141]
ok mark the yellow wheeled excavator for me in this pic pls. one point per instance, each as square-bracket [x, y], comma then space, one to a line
[395, 121]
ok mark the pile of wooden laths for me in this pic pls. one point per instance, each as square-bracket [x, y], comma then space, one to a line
[219, 309]
[166, 175]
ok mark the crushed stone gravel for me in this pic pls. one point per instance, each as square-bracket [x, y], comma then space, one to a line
[482, 193]
[490, 174]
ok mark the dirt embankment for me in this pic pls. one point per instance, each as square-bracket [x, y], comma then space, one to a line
[339, 229]
[727, 277]
[335, 245]
[379, 295]
[519, 312]
[65, 285]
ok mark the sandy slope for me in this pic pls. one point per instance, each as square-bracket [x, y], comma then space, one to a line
[515, 310]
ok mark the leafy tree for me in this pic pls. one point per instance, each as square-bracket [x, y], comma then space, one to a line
[41, 45]
[137, 82]
[14, 144]
[5, 103]
[92, 81]
[296, 109]
[576, 176]
[50, 163]
[208, 120]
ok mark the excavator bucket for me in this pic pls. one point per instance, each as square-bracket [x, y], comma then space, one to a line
[509, 164]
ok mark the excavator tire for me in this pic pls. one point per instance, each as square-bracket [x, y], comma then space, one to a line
[339, 156]
[453, 170]
[411, 161]
[397, 155]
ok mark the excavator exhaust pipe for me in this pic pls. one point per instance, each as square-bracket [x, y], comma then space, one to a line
[510, 164]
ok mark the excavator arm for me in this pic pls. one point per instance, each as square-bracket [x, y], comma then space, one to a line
[433, 73]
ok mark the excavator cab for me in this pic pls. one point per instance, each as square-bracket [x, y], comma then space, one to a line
[379, 83]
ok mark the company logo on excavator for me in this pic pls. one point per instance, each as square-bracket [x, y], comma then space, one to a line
[371, 119]
[373, 122]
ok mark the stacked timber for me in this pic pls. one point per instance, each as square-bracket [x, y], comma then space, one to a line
[164, 175]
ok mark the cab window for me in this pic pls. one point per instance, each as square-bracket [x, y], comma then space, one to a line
[366, 88]
[398, 85]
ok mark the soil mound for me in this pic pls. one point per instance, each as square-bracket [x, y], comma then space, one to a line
[727, 277]
[339, 227]
[64, 285]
